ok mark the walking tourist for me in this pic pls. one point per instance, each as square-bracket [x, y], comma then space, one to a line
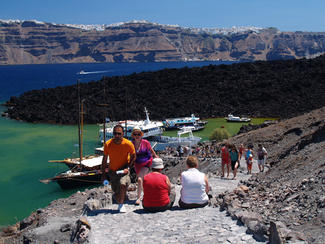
[225, 159]
[143, 161]
[195, 186]
[121, 155]
[241, 151]
[261, 156]
[234, 157]
[249, 158]
[158, 193]
[180, 151]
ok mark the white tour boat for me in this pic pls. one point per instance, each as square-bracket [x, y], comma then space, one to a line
[149, 128]
[176, 123]
[232, 118]
[167, 141]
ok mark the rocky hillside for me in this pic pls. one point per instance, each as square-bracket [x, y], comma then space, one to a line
[291, 193]
[262, 89]
[32, 42]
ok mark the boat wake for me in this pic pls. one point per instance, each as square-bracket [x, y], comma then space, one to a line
[93, 72]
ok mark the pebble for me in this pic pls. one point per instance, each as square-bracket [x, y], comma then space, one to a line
[204, 225]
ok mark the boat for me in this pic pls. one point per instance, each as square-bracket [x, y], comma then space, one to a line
[87, 163]
[194, 127]
[84, 173]
[149, 128]
[176, 123]
[82, 72]
[232, 118]
[159, 143]
[70, 179]
[167, 141]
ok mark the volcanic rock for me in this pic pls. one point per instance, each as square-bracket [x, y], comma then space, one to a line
[277, 89]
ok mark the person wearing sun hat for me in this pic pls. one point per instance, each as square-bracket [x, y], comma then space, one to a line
[144, 156]
[159, 194]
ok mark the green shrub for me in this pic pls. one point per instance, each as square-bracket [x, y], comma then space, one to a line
[219, 134]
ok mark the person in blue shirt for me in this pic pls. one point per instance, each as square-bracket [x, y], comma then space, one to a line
[234, 158]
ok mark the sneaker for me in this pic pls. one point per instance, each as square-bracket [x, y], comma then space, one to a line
[121, 208]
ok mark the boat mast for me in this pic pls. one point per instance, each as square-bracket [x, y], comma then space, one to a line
[104, 127]
[126, 112]
[80, 125]
[147, 116]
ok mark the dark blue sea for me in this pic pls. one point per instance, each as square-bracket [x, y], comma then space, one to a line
[16, 79]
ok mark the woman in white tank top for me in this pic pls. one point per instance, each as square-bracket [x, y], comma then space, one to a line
[195, 186]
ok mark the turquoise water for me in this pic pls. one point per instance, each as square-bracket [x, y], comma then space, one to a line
[25, 151]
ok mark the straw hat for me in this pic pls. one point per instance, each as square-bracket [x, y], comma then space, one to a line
[136, 128]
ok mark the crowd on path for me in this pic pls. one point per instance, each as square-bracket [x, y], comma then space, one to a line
[154, 188]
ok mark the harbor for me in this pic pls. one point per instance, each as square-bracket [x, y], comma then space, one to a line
[38, 143]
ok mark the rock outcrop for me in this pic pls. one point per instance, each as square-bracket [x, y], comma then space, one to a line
[32, 42]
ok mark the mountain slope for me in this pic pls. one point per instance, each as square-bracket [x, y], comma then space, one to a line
[32, 42]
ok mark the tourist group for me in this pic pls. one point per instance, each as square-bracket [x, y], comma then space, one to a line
[230, 158]
[158, 193]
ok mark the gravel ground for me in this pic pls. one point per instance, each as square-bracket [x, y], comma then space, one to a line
[172, 226]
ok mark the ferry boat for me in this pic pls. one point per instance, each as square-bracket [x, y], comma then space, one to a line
[232, 118]
[176, 123]
[149, 128]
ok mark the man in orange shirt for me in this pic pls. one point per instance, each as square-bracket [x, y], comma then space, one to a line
[121, 155]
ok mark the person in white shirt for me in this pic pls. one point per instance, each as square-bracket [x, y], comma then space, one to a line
[195, 186]
[261, 156]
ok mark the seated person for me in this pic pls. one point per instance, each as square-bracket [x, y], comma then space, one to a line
[158, 194]
[195, 186]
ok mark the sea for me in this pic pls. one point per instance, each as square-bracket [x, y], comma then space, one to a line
[26, 148]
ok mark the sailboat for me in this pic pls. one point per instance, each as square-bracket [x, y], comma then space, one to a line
[83, 171]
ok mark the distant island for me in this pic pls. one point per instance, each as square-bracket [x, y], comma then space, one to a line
[35, 42]
[281, 89]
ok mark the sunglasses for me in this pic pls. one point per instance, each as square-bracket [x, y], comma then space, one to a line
[117, 133]
[136, 134]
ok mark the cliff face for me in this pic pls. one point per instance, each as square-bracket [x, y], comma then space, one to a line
[31, 42]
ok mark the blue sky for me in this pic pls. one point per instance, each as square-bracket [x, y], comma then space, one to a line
[286, 15]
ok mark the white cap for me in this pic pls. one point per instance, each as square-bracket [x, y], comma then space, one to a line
[157, 163]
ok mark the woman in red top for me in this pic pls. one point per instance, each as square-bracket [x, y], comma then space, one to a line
[158, 192]
[225, 159]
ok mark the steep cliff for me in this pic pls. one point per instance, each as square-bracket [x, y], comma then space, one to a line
[32, 42]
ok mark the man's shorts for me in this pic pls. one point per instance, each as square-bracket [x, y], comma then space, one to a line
[233, 164]
[116, 180]
[261, 161]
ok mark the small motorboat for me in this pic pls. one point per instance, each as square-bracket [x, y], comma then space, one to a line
[82, 72]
